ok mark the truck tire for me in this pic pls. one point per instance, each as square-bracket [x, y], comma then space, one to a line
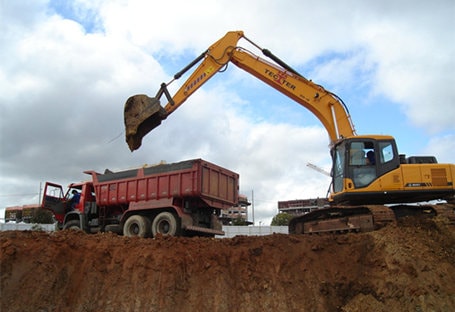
[72, 225]
[165, 224]
[137, 226]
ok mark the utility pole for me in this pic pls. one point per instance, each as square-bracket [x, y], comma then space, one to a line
[252, 204]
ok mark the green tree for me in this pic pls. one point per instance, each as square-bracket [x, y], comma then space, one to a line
[239, 221]
[281, 219]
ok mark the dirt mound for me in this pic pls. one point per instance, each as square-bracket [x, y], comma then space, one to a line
[409, 267]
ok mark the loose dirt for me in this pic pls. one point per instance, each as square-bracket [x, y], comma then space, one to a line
[405, 267]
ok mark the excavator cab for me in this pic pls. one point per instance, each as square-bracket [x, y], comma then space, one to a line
[358, 162]
[369, 169]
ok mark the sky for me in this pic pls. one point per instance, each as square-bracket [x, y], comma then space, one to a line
[67, 68]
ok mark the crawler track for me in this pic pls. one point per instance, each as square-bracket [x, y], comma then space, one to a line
[342, 219]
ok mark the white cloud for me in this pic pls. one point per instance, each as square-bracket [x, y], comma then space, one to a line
[443, 145]
[414, 75]
[63, 83]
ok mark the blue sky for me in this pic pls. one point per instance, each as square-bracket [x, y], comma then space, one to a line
[67, 67]
[71, 10]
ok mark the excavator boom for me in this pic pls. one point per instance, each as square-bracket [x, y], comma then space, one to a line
[142, 114]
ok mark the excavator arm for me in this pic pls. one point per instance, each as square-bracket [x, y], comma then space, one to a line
[143, 114]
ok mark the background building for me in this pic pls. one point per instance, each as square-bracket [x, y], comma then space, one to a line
[302, 206]
[236, 215]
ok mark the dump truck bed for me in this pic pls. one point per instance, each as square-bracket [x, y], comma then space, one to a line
[191, 178]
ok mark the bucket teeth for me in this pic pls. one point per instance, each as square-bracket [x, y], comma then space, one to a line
[141, 115]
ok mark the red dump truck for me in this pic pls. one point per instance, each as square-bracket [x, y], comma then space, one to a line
[184, 198]
[13, 214]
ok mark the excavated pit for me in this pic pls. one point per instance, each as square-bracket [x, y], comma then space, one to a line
[404, 267]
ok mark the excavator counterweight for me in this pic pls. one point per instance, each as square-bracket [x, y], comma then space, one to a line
[142, 114]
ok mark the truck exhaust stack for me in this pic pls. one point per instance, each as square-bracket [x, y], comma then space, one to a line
[142, 114]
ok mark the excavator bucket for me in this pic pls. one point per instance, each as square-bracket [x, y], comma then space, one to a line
[142, 114]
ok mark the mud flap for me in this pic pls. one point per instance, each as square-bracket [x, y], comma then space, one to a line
[142, 114]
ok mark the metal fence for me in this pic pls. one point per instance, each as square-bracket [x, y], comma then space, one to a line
[231, 231]
[13, 226]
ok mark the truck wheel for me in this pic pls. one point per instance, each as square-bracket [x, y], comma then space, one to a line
[137, 226]
[165, 224]
[72, 225]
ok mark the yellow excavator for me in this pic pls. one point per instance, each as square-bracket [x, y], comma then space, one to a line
[372, 183]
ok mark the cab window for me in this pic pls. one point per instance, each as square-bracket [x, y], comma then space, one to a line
[386, 152]
[362, 163]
